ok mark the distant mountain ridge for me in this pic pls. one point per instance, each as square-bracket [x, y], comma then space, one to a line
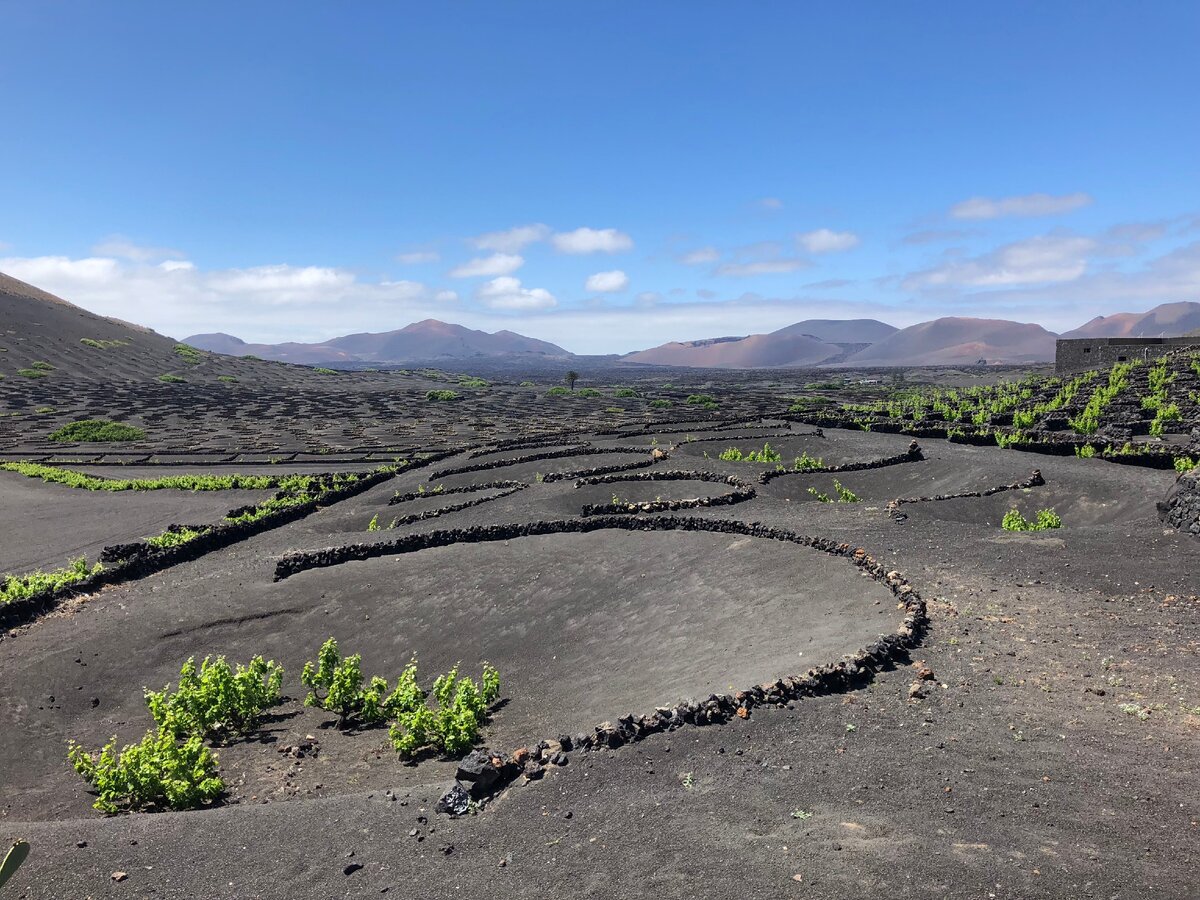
[809, 343]
[37, 322]
[1167, 320]
[427, 341]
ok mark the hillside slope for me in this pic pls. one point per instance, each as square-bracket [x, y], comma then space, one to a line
[1165, 320]
[808, 343]
[960, 341]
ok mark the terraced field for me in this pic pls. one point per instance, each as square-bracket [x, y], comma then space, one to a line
[831, 672]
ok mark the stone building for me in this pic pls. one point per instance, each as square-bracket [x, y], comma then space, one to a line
[1072, 355]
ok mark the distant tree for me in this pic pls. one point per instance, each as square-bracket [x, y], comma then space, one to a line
[570, 378]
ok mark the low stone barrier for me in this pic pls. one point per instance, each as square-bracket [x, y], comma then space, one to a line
[486, 772]
[740, 493]
[1181, 508]
[1034, 480]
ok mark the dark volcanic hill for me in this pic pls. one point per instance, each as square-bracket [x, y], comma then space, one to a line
[426, 341]
[809, 343]
[1167, 320]
[960, 341]
[38, 327]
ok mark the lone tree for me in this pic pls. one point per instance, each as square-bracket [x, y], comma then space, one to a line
[570, 378]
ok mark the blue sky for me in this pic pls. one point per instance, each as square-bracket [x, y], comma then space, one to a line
[607, 176]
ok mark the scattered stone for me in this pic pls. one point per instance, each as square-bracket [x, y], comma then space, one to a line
[455, 801]
[119, 876]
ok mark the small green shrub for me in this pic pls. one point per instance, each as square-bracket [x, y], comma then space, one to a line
[158, 772]
[173, 537]
[216, 700]
[470, 381]
[625, 392]
[96, 431]
[558, 391]
[21, 587]
[73, 479]
[766, 455]
[227, 378]
[373, 525]
[189, 355]
[588, 392]
[1044, 520]
[526, 384]
[820, 495]
[102, 344]
[704, 401]
[336, 685]
[31, 373]
[1087, 451]
[659, 404]
[452, 726]
[441, 396]
[845, 495]
[806, 463]
[322, 370]
[171, 379]
[42, 366]
[1184, 464]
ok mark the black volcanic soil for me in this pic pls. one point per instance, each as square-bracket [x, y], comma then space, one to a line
[1052, 753]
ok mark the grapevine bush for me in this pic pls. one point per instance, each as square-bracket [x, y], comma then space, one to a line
[158, 772]
[216, 700]
[453, 725]
[1044, 520]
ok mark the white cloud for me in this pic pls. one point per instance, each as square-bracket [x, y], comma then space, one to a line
[418, 257]
[512, 240]
[825, 241]
[123, 248]
[1038, 260]
[488, 266]
[506, 293]
[607, 282]
[771, 203]
[592, 240]
[1025, 205]
[446, 296]
[762, 267]
[701, 257]
[649, 298]
[174, 297]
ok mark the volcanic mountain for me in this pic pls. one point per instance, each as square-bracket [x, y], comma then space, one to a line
[960, 341]
[426, 341]
[808, 343]
[1167, 320]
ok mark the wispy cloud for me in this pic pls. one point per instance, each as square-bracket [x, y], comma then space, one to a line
[937, 236]
[825, 241]
[1038, 260]
[700, 257]
[607, 282]
[762, 267]
[1025, 205]
[507, 293]
[122, 247]
[418, 257]
[488, 266]
[511, 240]
[592, 240]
